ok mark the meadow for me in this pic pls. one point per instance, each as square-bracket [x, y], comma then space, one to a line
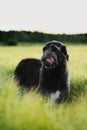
[31, 111]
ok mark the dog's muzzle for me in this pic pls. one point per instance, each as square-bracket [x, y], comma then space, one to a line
[48, 63]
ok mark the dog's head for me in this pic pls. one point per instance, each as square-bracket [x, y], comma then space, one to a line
[54, 54]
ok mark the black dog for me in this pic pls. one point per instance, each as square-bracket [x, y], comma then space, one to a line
[50, 73]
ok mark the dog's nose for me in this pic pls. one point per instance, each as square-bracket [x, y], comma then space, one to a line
[48, 62]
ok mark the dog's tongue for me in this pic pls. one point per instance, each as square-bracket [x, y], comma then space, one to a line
[49, 61]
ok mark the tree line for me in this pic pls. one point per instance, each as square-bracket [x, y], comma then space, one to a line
[39, 37]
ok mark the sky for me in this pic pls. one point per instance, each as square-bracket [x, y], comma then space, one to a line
[50, 16]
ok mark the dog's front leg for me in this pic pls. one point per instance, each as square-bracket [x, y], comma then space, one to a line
[62, 96]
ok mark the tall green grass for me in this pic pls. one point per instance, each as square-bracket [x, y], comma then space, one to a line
[30, 111]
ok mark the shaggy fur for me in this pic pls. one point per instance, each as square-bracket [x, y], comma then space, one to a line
[50, 73]
[54, 78]
[27, 73]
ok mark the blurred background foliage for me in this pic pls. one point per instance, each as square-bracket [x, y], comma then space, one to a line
[12, 37]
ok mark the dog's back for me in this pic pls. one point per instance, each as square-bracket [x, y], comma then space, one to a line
[27, 73]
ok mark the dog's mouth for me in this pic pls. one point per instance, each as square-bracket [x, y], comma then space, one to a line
[49, 63]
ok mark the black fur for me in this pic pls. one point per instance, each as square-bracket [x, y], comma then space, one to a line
[55, 78]
[27, 73]
[50, 73]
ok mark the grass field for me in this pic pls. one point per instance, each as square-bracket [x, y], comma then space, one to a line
[32, 112]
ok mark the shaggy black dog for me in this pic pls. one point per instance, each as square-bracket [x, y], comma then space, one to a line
[50, 73]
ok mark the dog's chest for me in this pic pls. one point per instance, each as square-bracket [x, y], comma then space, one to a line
[52, 81]
[54, 96]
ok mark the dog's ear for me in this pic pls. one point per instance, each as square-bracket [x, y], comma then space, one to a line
[45, 48]
[64, 50]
